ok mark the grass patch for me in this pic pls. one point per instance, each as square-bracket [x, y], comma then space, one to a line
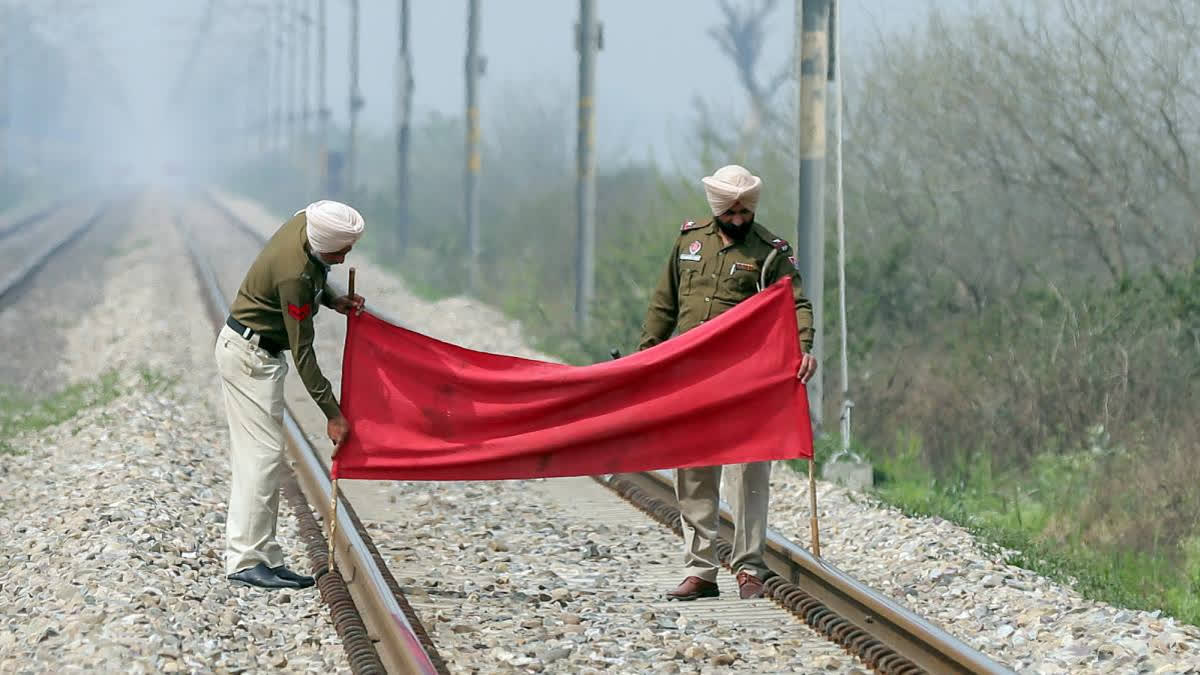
[1019, 515]
[156, 382]
[20, 413]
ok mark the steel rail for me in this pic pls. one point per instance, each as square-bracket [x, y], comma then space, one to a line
[31, 264]
[25, 221]
[868, 615]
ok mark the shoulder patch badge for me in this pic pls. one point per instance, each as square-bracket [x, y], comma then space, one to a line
[779, 244]
[301, 312]
[693, 253]
[688, 225]
[792, 259]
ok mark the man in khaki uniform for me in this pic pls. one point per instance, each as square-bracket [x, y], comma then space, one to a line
[714, 265]
[273, 313]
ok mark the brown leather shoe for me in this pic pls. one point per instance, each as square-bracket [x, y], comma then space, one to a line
[694, 587]
[749, 586]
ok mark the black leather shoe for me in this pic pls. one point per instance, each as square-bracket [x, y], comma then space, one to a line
[284, 573]
[261, 576]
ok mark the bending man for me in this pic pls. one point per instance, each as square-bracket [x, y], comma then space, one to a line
[273, 313]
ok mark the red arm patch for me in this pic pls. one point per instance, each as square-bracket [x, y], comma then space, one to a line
[299, 313]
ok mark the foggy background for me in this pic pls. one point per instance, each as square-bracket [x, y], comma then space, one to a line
[657, 58]
[1021, 206]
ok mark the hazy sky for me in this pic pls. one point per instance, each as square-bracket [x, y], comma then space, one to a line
[657, 54]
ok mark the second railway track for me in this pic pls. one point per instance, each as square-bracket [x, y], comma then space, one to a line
[30, 241]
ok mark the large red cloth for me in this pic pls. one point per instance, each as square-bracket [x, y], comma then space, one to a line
[722, 393]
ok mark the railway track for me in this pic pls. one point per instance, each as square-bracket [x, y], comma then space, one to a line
[887, 637]
[883, 635]
[30, 241]
[19, 223]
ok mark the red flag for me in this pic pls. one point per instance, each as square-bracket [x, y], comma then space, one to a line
[724, 392]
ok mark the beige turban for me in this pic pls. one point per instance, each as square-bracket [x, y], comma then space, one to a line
[730, 184]
[332, 226]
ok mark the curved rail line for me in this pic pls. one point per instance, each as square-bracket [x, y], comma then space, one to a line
[379, 630]
[26, 221]
[884, 635]
[26, 268]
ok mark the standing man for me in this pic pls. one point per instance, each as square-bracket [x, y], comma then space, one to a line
[273, 313]
[715, 264]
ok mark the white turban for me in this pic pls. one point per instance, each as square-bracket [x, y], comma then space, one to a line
[331, 226]
[730, 184]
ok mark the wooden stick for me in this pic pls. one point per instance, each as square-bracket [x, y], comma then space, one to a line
[351, 281]
[333, 525]
[812, 504]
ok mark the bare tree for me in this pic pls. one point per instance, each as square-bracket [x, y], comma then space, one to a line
[1054, 141]
[740, 36]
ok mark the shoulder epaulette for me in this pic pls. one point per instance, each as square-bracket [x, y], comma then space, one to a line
[690, 225]
[769, 237]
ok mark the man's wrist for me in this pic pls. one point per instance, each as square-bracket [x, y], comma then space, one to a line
[331, 409]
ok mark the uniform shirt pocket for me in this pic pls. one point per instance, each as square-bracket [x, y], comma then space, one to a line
[687, 280]
[738, 281]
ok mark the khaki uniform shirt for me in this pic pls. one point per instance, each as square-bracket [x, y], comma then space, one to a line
[704, 278]
[278, 299]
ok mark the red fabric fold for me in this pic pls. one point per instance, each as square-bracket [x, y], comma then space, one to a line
[722, 393]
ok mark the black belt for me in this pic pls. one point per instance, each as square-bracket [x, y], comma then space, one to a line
[247, 332]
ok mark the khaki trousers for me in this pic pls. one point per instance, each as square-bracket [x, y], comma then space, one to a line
[698, 491]
[252, 386]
